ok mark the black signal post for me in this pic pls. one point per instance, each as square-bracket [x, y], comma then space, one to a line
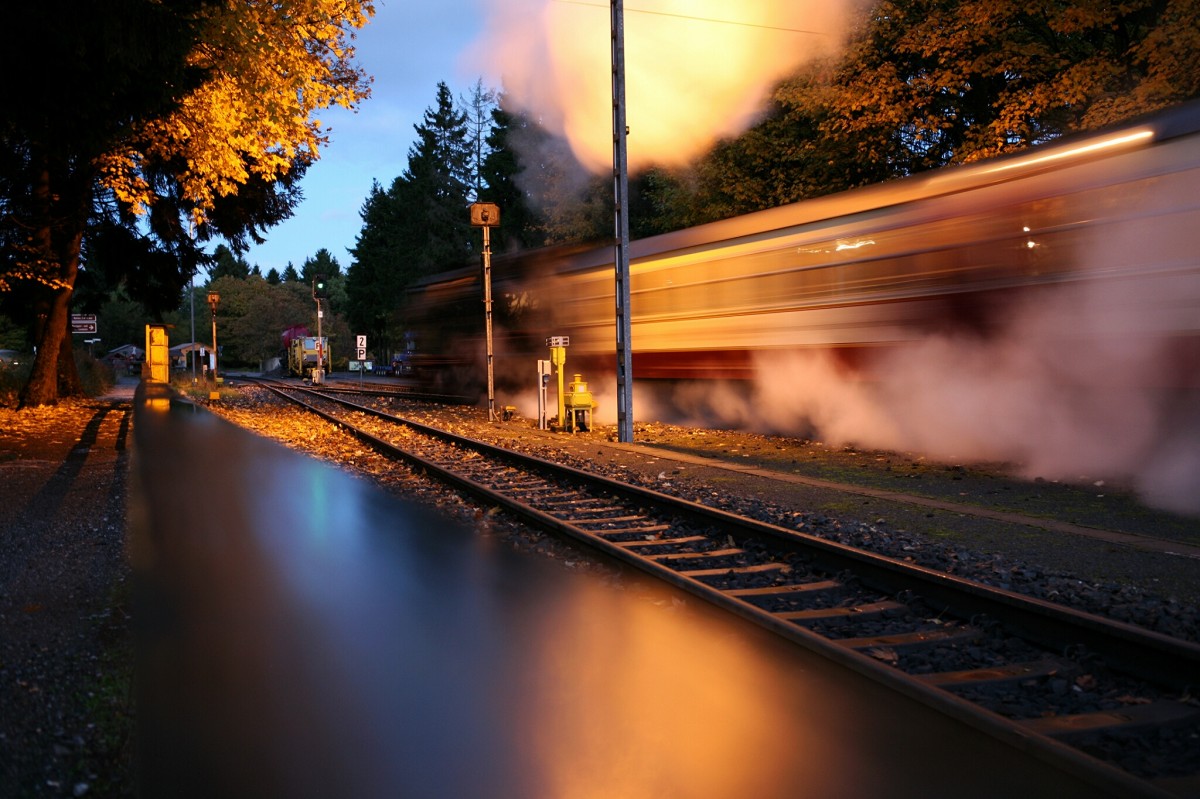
[487, 216]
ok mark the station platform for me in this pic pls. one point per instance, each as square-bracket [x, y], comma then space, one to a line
[304, 634]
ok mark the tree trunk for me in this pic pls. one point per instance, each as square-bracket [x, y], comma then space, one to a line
[42, 388]
[62, 250]
[69, 384]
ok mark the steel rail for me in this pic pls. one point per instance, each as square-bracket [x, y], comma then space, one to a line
[406, 392]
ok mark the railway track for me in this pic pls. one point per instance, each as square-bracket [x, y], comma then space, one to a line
[1103, 700]
[407, 392]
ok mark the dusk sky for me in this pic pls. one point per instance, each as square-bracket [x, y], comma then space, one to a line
[555, 59]
[408, 47]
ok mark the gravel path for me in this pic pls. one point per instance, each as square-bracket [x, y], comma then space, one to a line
[65, 650]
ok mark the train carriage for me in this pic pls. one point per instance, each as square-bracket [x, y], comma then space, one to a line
[950, 252]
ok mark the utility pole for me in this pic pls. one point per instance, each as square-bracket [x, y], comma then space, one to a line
[621, 214]
[213, 300]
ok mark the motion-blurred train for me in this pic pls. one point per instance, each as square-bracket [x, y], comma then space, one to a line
[1102, 230]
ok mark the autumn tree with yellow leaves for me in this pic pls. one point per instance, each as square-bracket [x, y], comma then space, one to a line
[164, 121]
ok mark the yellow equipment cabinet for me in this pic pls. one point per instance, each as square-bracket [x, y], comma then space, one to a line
[158, 355]
[579, 404]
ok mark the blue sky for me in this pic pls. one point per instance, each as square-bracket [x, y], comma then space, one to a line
[408, 47]
[555, 58]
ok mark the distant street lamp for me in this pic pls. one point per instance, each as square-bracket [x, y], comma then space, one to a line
[90, 342]
[213, 299]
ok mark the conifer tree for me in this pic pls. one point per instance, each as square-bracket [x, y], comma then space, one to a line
[322, 263]
[227, 264]
[501, 172]
[434, 190]
[380, 267]
[479, 107]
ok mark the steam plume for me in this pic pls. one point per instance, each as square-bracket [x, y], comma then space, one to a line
[695, 70]
[1082, 384]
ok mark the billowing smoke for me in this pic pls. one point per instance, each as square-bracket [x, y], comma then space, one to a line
[1089, 382]
[1082, 384]
[695, 70]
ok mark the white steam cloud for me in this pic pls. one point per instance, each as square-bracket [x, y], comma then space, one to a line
[1090, 382]
[695, 70]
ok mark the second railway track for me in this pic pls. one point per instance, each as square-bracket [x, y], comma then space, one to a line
[1107, 701]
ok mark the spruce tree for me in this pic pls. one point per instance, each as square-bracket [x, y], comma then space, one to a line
[226, 264]
[381, 267]
[434, 191]
[501, 172]
[479, 109]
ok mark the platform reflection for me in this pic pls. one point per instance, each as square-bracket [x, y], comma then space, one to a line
[304, 634]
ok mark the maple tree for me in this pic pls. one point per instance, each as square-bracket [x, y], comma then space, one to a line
[931, 82]
[926, 83]
[185, 119]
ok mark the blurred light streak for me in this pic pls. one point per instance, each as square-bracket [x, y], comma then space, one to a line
[1136, 137]
[847, 246]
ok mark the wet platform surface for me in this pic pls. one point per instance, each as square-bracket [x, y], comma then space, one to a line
[304, 634]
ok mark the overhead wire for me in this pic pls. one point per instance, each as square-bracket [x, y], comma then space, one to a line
[712, 20]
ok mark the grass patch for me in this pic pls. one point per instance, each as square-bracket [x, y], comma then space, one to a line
[841, 508]
[201, 389]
